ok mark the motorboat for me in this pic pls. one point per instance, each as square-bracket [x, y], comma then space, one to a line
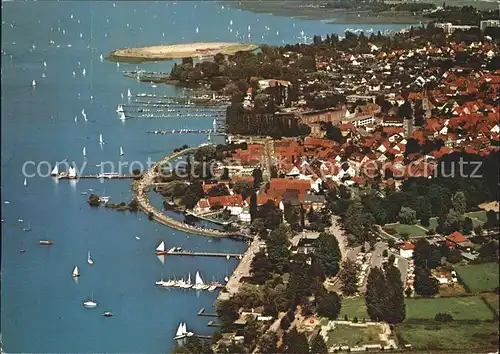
[89, 259]
[107, 314]
[46, 243]
[90, 304]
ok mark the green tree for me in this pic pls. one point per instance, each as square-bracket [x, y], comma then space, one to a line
[375, 296]
[425, 255]
[459, 203]
[329, 305]
[467, 226]
[454, 256]
[269, 343]
[295, 342]
[251, 332]
[227, 311]
[407, 215]
[318, 345]
[348, 278]
[353, 221]
[424, 283]
[327, 253]
[277, 248]
[395, 306]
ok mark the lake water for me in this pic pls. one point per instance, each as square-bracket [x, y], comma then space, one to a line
[41, 303]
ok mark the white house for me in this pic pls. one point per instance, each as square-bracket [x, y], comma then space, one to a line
[406, 250]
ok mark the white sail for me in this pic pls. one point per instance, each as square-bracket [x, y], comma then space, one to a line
[72, 172]
[89, 259]
[119, 108]
[100, 139]
[33, 83]
[84, 72]
[101, 57]
[198, 279]
[84, 152]
[122, 116]
[129, 94]
[214, 124]
[55, 170]
[83, 111]
[25, 182]
[189, 278]
[76, 273]
[179, 330]
[44, 63]
[76, 119]
[184, 329]
[121, 151]
[161, 247]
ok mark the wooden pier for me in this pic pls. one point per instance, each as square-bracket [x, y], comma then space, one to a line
[198, 254]
[203, 312]
[186, 131]
[213, 324]
[97, 176]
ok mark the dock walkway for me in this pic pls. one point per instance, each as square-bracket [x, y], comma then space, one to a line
[145, 206]
[202, 254]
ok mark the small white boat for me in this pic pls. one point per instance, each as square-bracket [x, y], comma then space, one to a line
[119, 108]
[226, 279]
[84, 152]
[137, 238]
[44, 63]
[84, 72]
[90, 304]
[72, 172]
[129, 94]
[182, 332]
[117, 64]
[101, 141]
[33, 83]
[76, 119]
[107, 314]
[55, 170]
[121, 151]
[160, 249]
[89, 259]
[227, 257]
[197, 30]
[25, 182]
[198, 283]
[101, 57]
[122, 116]
[212, 287]
[76, 273]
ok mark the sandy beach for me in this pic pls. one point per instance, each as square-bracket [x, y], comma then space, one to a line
[175, 51]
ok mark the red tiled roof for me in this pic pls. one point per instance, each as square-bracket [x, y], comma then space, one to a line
[407, 246]
[226, 200]
[456, 237]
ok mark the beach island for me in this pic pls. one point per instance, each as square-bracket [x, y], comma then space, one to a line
[176, 51]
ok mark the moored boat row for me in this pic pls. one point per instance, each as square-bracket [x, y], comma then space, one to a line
[198, 284]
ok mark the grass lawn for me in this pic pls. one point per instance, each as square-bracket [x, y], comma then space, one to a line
[493, 300]
[411, 230]
[479, 277]
[354, 307]
[461, 308]
[453, 335]
[481, 215]
[353, 336]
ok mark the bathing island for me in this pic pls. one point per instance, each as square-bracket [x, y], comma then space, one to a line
[176, 51]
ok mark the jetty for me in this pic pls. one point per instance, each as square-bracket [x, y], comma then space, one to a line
[186, 131]
[156, 214]
[201, 254]
[203, 312]
[96, 176]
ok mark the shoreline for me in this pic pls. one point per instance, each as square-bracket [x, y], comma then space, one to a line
[146, 207]
[178, 51]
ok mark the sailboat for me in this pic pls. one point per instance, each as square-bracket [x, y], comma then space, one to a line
[121, 151]
[72, 172]
[188, 284]
[25, 182]
[161, 282]
[119, 108]
[100, 139]
[55, 170]
[122, 116]
[76, 119]
[90, 304]
[129, 94]
[182, 332]
[84, 72]
[214, 124]
[33, 83]
[198, 282]
[27, 229]
[160, 249]
[89, 259]
[76, 273]
[84, 152]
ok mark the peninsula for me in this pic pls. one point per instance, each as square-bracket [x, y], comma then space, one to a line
[176, 51]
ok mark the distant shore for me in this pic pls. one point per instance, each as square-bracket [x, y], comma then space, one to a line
[176, 51]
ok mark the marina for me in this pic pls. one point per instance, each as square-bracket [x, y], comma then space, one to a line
[64, 175]
[186, 131]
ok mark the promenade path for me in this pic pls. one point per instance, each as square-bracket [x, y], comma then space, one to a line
[145, 206]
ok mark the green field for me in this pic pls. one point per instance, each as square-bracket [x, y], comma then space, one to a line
[354, 307]
[411, 230]
[461, 308]
[493, 300]
[453, 335]
[480, 215]
[479, 277]
[353, 336]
